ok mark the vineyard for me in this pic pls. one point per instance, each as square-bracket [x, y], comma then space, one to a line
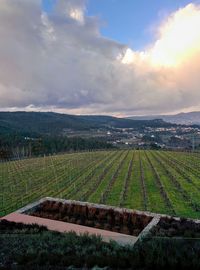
[157, 181]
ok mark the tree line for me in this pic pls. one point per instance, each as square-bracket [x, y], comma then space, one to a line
[20, 147]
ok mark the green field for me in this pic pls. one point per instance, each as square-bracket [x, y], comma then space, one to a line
[156, 181]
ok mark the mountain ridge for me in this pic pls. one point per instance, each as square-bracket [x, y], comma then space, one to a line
[183, 118]
[55, 123]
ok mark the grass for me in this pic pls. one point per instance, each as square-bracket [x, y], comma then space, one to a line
[101, 176]
[155, 199]
[134, 196]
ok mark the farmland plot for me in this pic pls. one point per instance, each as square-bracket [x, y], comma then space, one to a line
[157, 181]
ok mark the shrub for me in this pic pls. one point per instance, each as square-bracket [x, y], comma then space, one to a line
[102, 218]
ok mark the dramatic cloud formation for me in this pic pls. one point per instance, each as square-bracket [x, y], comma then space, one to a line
[61, 61]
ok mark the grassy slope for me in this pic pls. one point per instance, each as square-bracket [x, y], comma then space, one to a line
[89, 176]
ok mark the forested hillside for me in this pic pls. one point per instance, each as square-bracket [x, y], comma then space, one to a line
[54, 123]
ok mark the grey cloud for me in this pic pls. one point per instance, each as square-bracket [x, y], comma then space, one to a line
[54, 61]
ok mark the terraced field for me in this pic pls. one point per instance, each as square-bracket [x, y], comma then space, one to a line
[157, 181]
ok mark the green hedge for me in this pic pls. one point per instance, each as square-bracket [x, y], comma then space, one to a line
[35, 248]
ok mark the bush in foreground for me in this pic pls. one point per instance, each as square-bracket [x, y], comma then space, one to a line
[35, 248]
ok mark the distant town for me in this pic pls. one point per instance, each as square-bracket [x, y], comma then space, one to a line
[176, 137]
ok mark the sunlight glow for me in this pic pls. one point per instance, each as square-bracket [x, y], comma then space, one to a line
[77, 15]
[179, 39]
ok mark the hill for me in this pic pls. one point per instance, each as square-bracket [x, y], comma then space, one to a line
[190, 118]
[54, 123]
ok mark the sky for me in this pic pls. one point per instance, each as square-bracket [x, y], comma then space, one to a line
[132, 21]
[100, 56]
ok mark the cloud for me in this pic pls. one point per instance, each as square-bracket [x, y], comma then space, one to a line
[60, 61]
[172, 64]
